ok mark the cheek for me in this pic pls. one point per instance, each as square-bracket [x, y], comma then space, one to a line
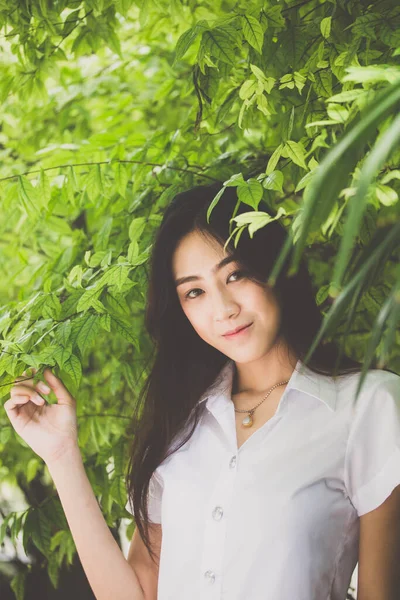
[263, 304]
[196, 317]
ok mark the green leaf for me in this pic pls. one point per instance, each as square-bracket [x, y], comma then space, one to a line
[94, 434]
[348, 95]
[248, 88]
[338, 113]
[90, 296]
[267, 82]
[274, 159]
[323, 83]
[121, 174]
[94, 183]
[235, 180]
[51, 307]
[18, 585]
[5, 434]
[87, 332]
[389, 339]
[188, 38]
[137, 228]
[251, 193]
[39, 527]
[53, 569]
[322, 294]
[44, 190]
[58, 225]
[325, 26]
[73, 368]
[386, 195]
[124, 328]
[257, 219]
[274, 181]
[31, 469]
[28, 196]
[372, 74]
[253, 32]
[62, 354]
[328, 181]
[105, 322]
[395, 174]
[296, 152]
[372, 260]
[96, 258]
[63, 331]
[262, 105]
[118, 490]
[102, 432]
[133, 252]
[373, 163]
[116, 276]
[3, 527]
[214, 202]
[376, 334]
[219, 45]
[184, 42]
[305, 180]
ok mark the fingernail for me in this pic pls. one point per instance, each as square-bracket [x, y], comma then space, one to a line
[44, 388]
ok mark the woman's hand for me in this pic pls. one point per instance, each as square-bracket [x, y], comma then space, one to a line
[49, 429]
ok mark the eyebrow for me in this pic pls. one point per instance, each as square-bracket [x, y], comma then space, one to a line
[217, 267]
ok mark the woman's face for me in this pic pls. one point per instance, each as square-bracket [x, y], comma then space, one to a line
[219, 300]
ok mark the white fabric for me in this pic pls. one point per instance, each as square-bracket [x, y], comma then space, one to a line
[287, 526]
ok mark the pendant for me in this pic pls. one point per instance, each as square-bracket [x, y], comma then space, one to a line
[248, 420]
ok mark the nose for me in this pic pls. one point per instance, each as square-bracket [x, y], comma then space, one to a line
[223, 305]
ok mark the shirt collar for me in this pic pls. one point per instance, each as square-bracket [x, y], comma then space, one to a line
[303, 379]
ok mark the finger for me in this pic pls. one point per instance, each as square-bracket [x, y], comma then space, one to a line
[42, 387]
[62, 394]
[16, 401]
[23, 390]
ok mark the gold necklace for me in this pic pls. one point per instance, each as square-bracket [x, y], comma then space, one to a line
[248, 420]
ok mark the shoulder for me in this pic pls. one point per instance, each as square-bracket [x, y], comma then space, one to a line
[372, 458]
[376, 380]
[376, 408]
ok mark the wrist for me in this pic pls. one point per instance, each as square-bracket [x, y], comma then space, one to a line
[68, 453]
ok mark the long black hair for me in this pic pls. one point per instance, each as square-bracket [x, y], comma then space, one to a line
[178, 377]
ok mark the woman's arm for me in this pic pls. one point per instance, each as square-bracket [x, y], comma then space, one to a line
[51, 431]
[109, 573]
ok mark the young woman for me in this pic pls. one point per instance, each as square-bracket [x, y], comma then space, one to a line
[252, 476]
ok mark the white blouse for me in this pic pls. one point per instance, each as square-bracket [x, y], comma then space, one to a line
[278, 518]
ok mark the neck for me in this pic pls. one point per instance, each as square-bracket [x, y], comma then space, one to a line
[257, 377]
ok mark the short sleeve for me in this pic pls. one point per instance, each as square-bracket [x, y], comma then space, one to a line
[154, 499]
[372, 461]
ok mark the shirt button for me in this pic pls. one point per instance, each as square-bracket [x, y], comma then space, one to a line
[217, 513]
[210, 576]
[232, 462]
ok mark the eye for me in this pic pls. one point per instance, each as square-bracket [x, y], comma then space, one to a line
[240, 273]
[235, 273]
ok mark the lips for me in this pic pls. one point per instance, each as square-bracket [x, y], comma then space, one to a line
[237, 330]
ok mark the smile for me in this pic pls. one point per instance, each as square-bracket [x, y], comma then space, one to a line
[239, 333]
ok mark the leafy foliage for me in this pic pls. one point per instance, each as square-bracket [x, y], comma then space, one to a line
[109, 108]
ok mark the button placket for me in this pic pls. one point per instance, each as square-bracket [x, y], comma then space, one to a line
[217, 513]
[215, 530]
[209, 576]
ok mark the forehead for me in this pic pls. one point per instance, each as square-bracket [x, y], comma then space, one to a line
[195, 252]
